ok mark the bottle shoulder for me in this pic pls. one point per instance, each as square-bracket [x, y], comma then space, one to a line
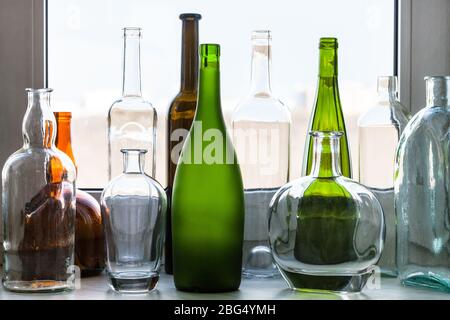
[183, 105]
[385, 114]
[130, 184]
[264, 109]
[31, 160]
[131, 104]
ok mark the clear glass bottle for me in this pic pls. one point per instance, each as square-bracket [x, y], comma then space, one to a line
[261, 135]
[89, 239]
[133, 211]
[131, 119]
[384, 122]
[422, 192]
[326, 230]
[181, 114]
[38, 206]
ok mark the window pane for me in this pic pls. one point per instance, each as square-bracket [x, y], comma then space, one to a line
[85, 61]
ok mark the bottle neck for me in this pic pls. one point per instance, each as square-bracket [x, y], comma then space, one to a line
[209, 87]
[189, 56]
[63, 134]
[133, 161]
[39, 125]
[438, 91]
[326, 157]
[328, 63]
[261, 64]
[132, 66]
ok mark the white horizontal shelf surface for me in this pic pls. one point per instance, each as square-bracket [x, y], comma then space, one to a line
[96, 288]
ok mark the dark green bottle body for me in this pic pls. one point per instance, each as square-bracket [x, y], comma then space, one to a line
[327, 114]
[208, 197]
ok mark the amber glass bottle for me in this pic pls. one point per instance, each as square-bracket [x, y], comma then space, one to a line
[89, 239]
[181, 114]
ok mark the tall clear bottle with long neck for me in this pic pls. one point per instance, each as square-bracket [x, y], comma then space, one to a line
[261, 134]
[181, 114]
[131, 119]
[382, 126]
[327, 114]
[422, 192]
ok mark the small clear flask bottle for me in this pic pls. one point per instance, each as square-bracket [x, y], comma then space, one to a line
[133, 211]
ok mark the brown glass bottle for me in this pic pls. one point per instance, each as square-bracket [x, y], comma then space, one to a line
[181, 114]
[89, 239]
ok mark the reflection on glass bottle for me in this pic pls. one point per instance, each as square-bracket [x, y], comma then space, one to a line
[89, 240]
[261, 134]
[181, 115]
[208, 197]
[38, 205]
[327, 114]
[422, 192]
[326, 231]
[133, 212]
[131, 119]
[382, 126]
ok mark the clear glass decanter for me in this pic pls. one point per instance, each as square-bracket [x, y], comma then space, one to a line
[133, 211]
[261, 135]
[131, 119]
[326, 230]
[382, 126]
[38, 206]
[422, 192]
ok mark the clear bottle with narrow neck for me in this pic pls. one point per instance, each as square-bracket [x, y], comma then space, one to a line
[181, 113]
[327, 114]
[131, 119]
[261, 135]
[384, 123]
[133, 211]
[208, 197]
[89, 239]
[326, 230]
[38, 206]
[422, 193]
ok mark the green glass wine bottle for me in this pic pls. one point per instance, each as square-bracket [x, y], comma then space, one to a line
[327, 114]
[208, 196]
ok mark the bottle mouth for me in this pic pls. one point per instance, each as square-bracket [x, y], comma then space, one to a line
[261, 34]
[210, 49]
[63, 115]
[326, 134]
[190, 16]
[328, 43]
[132, 32]
[38, 90]
[139, 151]
[445, 78]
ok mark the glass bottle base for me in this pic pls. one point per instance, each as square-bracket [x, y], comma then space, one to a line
[428, 280]
[38, 286]
[133, 282]
[335, 284]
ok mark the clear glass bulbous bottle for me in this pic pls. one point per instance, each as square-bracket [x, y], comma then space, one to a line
[261, 135]
[131, 119]
[326, 230]
[133, 212]
[422, 192]
[38, 206]
[384, 123]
